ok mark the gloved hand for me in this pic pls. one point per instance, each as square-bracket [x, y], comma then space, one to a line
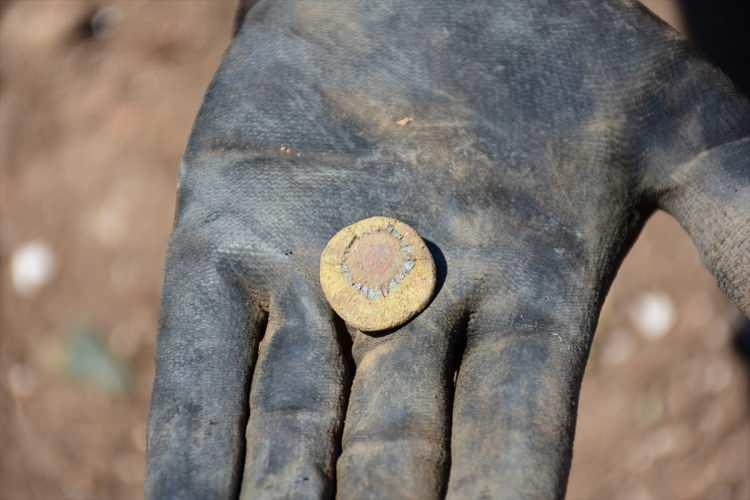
[543, 135]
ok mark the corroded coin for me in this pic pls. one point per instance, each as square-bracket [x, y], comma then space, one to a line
[377, 273]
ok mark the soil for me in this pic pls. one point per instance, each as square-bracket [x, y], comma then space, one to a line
[96, 103]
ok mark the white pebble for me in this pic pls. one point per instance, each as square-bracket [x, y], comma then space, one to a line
[32, 266]
[653, 315]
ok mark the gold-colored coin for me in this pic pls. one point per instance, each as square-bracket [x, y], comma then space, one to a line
[377, 273]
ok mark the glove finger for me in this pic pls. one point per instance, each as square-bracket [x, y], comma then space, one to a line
[297, 399]
[710, 197]
[396, 434]
[204, 353]
[515, 406]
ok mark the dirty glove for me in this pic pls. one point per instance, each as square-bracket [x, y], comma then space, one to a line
[526, 141]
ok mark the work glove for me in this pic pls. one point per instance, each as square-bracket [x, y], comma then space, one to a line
[526, 141]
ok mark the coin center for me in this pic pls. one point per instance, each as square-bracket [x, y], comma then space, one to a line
[377, 262]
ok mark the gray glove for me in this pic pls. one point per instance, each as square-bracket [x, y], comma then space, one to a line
[544, 134]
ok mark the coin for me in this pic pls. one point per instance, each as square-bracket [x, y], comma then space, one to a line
[377, 273]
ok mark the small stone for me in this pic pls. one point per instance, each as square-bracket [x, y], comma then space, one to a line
[32, 267]
[109, 226]
[404, 121]
[90, 360]
[653, 315]
[100, 23]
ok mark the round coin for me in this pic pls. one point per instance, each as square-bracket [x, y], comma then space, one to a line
[377, 273]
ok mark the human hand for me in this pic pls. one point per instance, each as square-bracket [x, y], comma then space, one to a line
[543, 135]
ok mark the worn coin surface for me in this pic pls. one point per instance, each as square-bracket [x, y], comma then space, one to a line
[377, 273]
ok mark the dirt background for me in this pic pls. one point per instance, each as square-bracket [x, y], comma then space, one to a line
[96, 102]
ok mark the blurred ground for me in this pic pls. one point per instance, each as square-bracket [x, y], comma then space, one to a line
[95, 107]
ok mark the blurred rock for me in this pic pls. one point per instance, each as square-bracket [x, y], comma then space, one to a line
[89, 359]
[653, 314]
[108, 226]
[99, 23]
[32, 266]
